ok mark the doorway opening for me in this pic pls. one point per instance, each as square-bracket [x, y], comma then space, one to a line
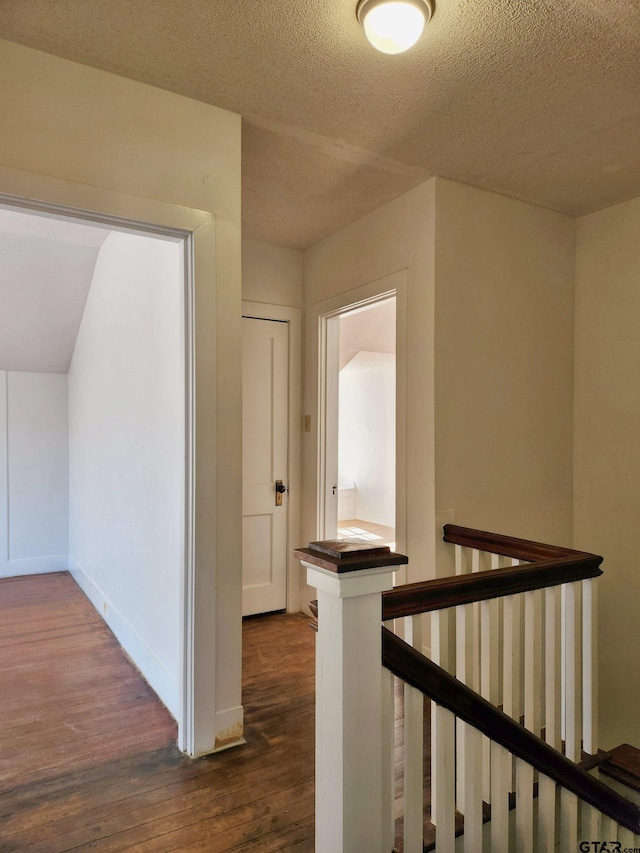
[98, 344]
[360, 422]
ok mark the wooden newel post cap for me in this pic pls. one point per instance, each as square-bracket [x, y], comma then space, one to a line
[349, 555]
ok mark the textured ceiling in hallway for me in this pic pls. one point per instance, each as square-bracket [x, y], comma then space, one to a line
[537, 99]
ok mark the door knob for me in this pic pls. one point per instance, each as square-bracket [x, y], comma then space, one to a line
[280, 490]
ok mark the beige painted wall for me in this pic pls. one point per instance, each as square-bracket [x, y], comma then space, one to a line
[79, 136]
[398, 236]
[489, 357]
[504, 363]
[272, 274]
[607, 449]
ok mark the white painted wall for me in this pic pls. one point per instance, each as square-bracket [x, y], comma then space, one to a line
[366, 434]
[607, 449]
[491, 311]
[489, 354]
[34, 473]
[272, 274]
[504, 363]
[77, 136]
[126, 440]
[397, 237]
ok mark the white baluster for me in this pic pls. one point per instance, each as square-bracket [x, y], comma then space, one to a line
[511, 673]
[511, 658]
[532, 662]
[459, 559]
[546, 814]
[490, 670]
[443, 782]
[524, 807]
[474, 682]
[464, 631]
[579, 669]
[472, 790]
[467, 661]
[608, 829]
[589, 823]
[487, 628]
[464, 664]
[570, 677]
[413, 751]
[552, 668]
[589, 666]
[500, 787]
[496, 644]
[568, 821]
[464, 672]
[458, 616]
[440, 654]
[388, 758]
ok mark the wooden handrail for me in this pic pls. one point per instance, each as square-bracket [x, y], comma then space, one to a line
[414, 598]
[507, 546]
[418, 671]
[547, 566]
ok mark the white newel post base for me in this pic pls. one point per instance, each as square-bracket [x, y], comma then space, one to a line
[350, 782]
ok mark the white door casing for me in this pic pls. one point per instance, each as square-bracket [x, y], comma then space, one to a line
[329, 414]
[265, 440]
[120, 211]
[323, 317]
[331, 420]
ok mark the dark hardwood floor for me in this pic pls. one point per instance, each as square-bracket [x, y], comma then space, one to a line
[87, 754]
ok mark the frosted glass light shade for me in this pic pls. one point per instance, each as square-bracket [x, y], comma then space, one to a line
[393, 26]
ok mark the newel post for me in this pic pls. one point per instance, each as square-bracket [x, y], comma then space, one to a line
[352, 787]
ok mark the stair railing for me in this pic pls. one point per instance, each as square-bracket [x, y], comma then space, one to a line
[589, 808]
[515, 625]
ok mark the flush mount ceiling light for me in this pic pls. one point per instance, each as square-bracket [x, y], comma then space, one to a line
[393, 26]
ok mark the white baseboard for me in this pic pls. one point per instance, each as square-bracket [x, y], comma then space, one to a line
[151, 668]
[34, 566]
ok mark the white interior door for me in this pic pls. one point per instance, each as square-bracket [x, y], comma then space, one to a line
[265, 360]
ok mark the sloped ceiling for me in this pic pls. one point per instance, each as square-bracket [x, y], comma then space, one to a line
[46, 270]
[372, 330]
[537, 99]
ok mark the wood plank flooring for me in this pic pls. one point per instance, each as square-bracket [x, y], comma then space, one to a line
[87, 754]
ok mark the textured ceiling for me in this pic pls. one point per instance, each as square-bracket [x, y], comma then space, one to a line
[538, 99]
